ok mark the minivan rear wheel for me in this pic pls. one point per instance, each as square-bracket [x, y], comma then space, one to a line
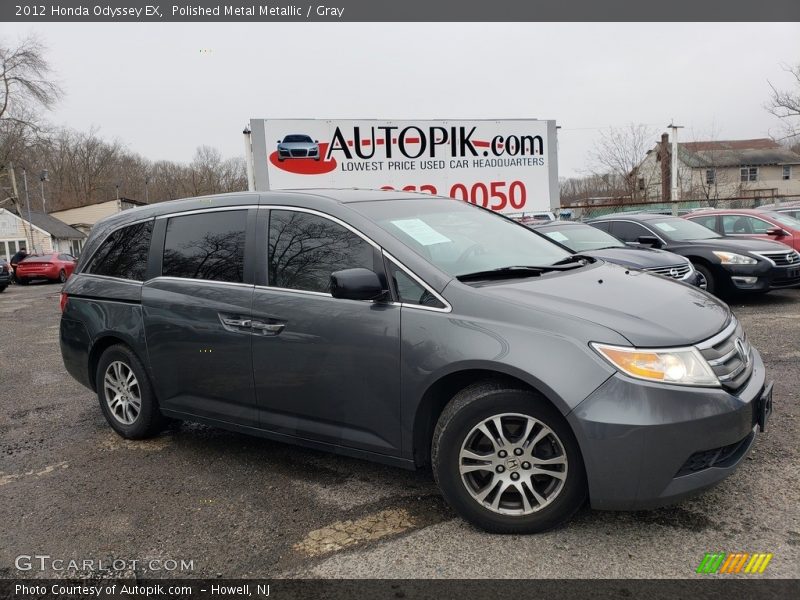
[507, 461]
[125, 394]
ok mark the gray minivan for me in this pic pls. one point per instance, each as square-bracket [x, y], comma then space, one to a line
[415, 330]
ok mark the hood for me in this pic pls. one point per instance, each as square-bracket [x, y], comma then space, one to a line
[737, 244]
[637, 258]
[645, 309]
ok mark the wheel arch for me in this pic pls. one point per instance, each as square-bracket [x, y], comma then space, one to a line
[102, 343]
[442, 389]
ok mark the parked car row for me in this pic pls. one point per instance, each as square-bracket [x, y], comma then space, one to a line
[727, 251]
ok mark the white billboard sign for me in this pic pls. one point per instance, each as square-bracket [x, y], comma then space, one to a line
[506, 165]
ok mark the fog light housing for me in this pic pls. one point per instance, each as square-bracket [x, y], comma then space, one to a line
[744, 281]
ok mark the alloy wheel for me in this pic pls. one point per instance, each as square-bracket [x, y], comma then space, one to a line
[513, 464]
[122, 392]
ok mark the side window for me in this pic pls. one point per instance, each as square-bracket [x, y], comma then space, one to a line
[744, 225]
[628, 232]
[411, 292]
[206, 246]
[603, 226]
[124, 253]
[304, 250]
[709, 221]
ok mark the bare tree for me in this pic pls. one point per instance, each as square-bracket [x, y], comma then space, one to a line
[25, 82]
[619, 153]
[785, 104]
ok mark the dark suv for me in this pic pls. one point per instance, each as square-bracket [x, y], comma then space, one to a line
[415, 330]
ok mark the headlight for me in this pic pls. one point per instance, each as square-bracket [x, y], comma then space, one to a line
[681, 366]
[730, 258]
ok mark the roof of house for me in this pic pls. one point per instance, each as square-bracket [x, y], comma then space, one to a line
[121, 198]
[734, 153]
[53, 226]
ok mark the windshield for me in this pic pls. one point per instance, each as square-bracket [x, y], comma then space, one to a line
[460, 238]
[580, 238]
[296, 138]
[682, 230]
[786, 220]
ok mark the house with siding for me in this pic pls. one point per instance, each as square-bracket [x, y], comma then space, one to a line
[717, 170]
[83, 218]
[43, 234]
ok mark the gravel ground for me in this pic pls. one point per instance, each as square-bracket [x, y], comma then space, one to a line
[244, 507]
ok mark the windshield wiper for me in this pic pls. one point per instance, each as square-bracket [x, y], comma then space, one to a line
[521, 270]
[578, 259]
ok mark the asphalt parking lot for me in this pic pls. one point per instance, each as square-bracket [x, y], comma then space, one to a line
[238, 506]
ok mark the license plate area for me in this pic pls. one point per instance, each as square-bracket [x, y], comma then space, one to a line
[763, 408]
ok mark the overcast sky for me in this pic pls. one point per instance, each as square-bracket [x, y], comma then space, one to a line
[151, 87]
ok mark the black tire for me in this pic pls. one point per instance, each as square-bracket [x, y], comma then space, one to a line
[3, 288]
[711, 283]
[22, 281]
[149, 420]
[462, 414]
[62, 276]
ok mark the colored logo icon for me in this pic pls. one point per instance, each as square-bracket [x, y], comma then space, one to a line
[734, 562]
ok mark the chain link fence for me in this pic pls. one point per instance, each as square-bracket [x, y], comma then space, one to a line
[584, 212]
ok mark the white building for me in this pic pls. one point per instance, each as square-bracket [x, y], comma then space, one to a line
[83, 218]
[715, 170]
[43, 234]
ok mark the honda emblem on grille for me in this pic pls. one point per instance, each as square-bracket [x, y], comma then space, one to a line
[741, 351]
[674, 273]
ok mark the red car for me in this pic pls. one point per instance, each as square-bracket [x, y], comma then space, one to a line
[751, 222]
[57, 266]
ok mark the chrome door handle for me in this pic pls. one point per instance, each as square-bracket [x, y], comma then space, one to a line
[237, 322]
[268, 328]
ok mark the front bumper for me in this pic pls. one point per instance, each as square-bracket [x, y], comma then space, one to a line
[763, 277]
[638, 438]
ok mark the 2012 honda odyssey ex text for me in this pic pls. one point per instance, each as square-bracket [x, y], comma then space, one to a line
[415, 330]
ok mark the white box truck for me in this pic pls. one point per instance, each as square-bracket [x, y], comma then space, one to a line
[507, 165]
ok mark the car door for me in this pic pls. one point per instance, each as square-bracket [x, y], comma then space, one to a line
[197, 311]
[747, 226]
[325, 369]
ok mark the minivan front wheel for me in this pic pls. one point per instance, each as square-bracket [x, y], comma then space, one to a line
[507, 461]
[125, 395]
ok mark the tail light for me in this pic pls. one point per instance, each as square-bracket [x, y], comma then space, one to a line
[63, 301]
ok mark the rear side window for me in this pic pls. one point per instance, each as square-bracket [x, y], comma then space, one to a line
[304, 250]
[628, 232]
[708, 221]
[124, 253]
[206, 246]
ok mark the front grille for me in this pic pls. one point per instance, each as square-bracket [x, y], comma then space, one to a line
[730, 356]
[299, 153]
[716, 457]
[674, 271]
[782, 259]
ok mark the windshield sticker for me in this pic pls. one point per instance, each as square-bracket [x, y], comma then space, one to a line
[665, 227]
[420, 231]
[557, 236]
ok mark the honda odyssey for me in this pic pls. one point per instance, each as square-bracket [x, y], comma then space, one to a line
[415, 330]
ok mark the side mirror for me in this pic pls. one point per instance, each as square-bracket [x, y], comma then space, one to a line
[316, 141]
[776, 231]
[356, 284]
[649, 240]
[279, 141]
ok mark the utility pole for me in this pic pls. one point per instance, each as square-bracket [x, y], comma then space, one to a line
[15, 193]
[42, 178]
[248, 159]
[146, 192]
[28, 204]
[674, 168]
